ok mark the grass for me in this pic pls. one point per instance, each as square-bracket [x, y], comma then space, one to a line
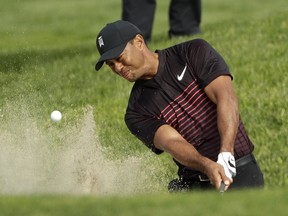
[47, 58]
[160, 204]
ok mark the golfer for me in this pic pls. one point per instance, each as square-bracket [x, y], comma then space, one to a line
[183, 103]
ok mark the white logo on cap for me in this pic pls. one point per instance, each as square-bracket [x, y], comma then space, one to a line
[100, 41]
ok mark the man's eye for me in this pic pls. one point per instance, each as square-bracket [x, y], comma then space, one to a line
[109, 64]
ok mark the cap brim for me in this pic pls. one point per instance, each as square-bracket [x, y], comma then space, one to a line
[111, 54]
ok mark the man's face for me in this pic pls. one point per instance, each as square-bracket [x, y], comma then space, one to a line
[130, 63]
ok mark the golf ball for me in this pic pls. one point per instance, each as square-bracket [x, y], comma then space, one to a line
[56, 116]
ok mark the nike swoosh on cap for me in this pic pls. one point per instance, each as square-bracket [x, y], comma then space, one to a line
[180, 77]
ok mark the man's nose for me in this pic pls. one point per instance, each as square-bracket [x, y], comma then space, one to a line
[118, 67]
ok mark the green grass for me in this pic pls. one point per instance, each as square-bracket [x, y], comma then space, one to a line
[47, 58]
[197, 203]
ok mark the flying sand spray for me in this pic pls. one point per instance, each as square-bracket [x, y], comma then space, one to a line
[67, 160]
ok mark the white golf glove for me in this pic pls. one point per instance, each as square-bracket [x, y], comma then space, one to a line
[227, 160]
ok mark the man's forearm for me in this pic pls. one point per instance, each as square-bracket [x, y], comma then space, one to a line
[228, 122]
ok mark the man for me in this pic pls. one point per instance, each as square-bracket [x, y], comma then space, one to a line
[184, 16]
[183, 103]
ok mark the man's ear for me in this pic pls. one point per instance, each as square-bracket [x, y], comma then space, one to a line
[139, 40]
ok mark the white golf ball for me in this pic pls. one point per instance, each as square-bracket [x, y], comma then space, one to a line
[56, 116]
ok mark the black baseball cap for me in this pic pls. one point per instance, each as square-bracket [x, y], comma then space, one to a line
[112, 40]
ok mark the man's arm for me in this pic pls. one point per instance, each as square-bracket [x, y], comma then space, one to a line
[169, 140]
[221, 92]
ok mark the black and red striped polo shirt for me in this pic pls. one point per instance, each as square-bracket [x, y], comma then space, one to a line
[175, 96]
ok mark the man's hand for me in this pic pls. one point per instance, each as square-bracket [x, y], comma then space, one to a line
[216, 174]
[227, 160]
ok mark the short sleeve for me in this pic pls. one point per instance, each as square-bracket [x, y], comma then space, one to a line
[208, 64]
[143, 127]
